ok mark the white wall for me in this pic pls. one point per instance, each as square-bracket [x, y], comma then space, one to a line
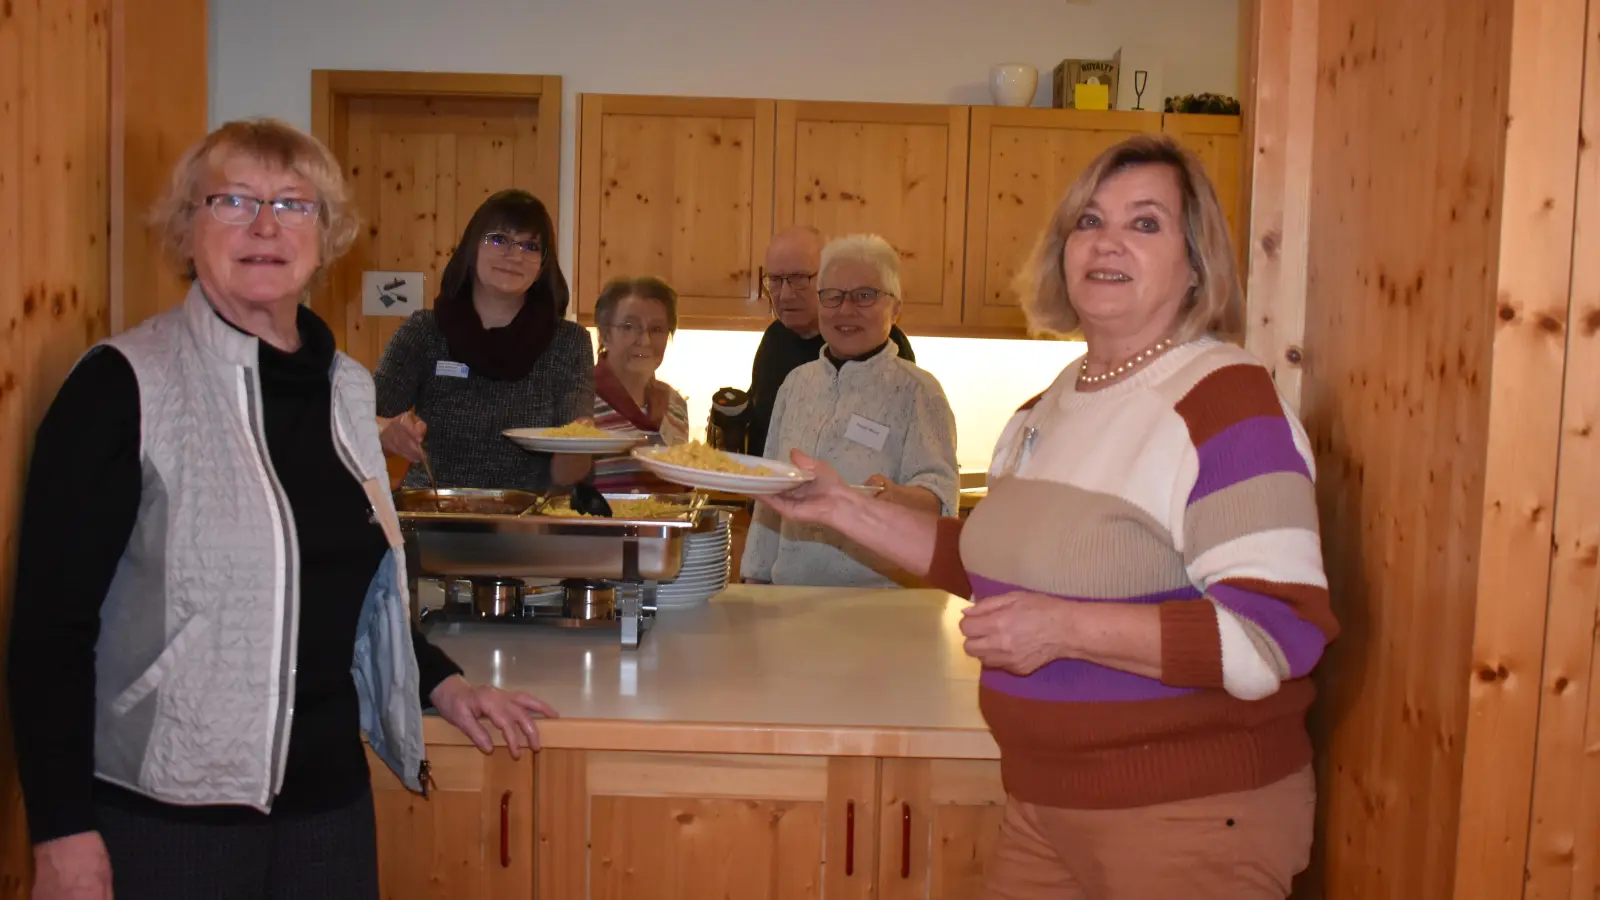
[911, 51]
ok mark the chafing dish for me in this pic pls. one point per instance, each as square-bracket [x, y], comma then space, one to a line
[483, 533]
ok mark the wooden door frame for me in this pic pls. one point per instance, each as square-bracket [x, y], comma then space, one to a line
[333, 89]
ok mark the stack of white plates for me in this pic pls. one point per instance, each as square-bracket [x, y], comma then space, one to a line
[705, 569]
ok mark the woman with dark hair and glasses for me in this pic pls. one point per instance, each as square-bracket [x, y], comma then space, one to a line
[875, 417]
[494, 352]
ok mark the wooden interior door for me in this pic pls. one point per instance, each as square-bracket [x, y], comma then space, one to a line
[421, 153]
[687, 826]
[897, 170]
[679, 188]
[1217, 141]
[940, 819]
[1023, 162]
[471, 838]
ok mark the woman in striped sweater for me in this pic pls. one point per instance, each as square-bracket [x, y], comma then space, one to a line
[1146, 570]
[635, 318]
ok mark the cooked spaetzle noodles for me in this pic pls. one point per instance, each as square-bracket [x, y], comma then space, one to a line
[646, 508]
[696, 455]
[577, 430]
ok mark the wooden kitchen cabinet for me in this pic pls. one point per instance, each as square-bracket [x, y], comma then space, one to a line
[693, 188]
[1023, 162]
[896, 170]
[625, 825]
[685, 826]
[939, 819]
[471, 838]
[1216, 140]
[680, 188]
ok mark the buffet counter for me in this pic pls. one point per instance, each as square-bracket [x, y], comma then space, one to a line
[777, 741]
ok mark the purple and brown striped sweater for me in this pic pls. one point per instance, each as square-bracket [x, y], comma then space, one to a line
[1188, 485]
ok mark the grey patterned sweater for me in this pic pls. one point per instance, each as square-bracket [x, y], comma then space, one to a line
[878, 416]
[466, 415]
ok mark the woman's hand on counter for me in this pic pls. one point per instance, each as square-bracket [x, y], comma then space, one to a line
[75, 867]
[402, 436]
[463, 705]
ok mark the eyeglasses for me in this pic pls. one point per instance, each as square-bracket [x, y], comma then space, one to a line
[241, 209]
[861, 297]
[632, 331]
[505, 244]
[798, 281]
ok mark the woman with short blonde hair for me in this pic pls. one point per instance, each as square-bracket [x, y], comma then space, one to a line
[1149, 597]
[211, 595]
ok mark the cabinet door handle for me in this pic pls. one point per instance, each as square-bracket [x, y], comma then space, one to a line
[905, 840]
[505, 830]
[850, 838]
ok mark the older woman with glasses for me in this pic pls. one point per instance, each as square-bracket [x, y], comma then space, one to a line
[878, 419]
[636, 317]
[789, 282]
[495, 352]
[211, 598]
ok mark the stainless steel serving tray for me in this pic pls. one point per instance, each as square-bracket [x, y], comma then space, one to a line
[480, 533]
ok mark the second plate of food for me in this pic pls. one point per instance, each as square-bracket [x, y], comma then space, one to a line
[697, 465]
[576, 437]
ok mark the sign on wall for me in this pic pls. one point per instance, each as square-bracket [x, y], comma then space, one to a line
[391, 293]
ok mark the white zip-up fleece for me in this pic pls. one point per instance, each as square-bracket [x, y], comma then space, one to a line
[836, 414]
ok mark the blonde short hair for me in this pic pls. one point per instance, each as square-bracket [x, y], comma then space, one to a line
[865, 248]
[1215, 305]
[273, 143]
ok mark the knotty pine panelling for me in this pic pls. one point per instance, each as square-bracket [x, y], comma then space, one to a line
[1400, 324]
[54, 219]
[158, 109]
[1564, 841]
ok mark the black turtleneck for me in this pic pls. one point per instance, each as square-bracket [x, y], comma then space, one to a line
[82, 500]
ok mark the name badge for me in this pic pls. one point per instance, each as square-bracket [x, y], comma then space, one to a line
[866, 432]
[448, 369]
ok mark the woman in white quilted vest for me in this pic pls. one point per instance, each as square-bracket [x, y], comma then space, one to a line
[211, 609]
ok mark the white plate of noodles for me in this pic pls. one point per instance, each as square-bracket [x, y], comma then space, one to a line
[697, 465]
[574, 437]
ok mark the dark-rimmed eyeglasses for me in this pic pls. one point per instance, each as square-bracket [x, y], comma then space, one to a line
[860, 298]
[505, 244]
[242, 209]
[797, 281]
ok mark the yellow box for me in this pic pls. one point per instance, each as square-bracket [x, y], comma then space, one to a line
[1091, 96]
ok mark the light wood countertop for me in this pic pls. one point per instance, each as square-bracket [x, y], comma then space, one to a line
[760, 669]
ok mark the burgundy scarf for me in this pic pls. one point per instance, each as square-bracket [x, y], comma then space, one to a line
[609, 388]
[503, 354]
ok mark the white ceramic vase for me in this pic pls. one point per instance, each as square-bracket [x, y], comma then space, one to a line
[1013, 84]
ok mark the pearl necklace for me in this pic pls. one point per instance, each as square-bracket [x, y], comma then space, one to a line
[1143, 357]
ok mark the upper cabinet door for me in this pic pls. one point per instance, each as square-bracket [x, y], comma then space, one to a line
[1216, 140]
[895, 170]
[1023, 162]
[679, 188]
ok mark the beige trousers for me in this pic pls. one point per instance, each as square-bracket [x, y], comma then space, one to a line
[1243, 846]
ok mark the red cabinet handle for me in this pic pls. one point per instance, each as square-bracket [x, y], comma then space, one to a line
[850, 838]
[905, 840]
[505, 830]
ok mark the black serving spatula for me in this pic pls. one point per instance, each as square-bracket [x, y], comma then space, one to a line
[588, 500]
